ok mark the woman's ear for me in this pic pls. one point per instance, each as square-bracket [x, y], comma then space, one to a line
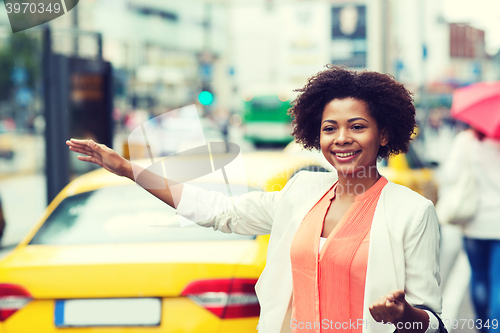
[384, 138]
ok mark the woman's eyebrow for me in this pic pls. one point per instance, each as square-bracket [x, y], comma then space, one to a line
[349, 121]
[356, 118]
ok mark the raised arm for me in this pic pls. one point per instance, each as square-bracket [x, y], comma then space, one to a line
[248, 214]
[110, 160]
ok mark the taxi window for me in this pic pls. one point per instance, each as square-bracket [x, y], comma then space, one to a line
[124, 214]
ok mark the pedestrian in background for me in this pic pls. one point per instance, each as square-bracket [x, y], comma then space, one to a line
[473, 149]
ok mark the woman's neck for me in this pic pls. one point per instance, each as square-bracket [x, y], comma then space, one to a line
[352, 185]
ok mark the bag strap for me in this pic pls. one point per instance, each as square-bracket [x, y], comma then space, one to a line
[442, 328]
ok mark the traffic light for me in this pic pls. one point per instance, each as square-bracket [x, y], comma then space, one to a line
[205, 97]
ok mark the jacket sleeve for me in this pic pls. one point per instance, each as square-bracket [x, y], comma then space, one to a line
[421, 247]
[248, 214]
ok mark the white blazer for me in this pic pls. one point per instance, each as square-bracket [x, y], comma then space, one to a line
[403, 251]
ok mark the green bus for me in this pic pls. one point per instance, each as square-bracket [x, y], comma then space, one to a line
[265, 118]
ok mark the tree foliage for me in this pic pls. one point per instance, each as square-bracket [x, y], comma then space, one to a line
[21, 50]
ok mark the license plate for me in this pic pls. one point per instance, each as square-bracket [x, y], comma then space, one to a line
[108, 312]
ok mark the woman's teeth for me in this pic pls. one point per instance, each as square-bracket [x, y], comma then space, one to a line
[345, 154]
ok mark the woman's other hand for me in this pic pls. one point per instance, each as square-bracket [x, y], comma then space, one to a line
[389, 308]
[101, 155]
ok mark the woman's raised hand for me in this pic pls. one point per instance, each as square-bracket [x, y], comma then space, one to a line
[101, 155]
[111, 161]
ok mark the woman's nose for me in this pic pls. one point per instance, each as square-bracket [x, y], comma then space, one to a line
[342, 137]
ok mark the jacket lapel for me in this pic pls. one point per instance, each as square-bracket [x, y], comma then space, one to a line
[273, 293]
[380, 271]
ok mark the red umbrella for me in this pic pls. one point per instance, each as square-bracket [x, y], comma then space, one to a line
[479, 106]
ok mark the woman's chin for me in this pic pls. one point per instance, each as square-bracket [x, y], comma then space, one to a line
[346, 170]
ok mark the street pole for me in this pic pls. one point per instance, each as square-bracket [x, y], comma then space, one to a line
[56, 118]
[384, 7]
[74, 20]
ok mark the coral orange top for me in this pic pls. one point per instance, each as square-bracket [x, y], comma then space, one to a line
[328, 288]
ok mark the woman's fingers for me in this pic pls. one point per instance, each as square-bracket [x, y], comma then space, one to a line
[87, 147]
[399, 295]
[78, 145]
[90, 144]
[89, 159]
[80, 151]
[395, 309]
[375, 315]
[392, 309]
[82, 142]
[389, 308]
[85, 158]
[82, 147]
[378, 310]
[99, 154]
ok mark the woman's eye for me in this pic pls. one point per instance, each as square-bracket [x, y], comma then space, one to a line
[358, 127]
[328, 129]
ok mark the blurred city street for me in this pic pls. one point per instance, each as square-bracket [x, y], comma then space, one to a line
[197, 82]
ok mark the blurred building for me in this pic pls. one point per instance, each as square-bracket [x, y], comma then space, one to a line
[431, 55]
[283, 43]
[162, 50]
[286, 42]
[465, 61]
[165, 52]
[468, 59]
[417, 41]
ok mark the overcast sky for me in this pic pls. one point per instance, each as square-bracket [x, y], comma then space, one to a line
[482, 14]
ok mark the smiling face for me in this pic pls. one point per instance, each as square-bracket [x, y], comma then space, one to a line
[349, 136]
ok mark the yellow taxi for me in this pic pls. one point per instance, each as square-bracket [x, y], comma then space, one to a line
[106, 256]
[411, 171]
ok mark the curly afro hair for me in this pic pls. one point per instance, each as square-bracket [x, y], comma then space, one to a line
[389, 103]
